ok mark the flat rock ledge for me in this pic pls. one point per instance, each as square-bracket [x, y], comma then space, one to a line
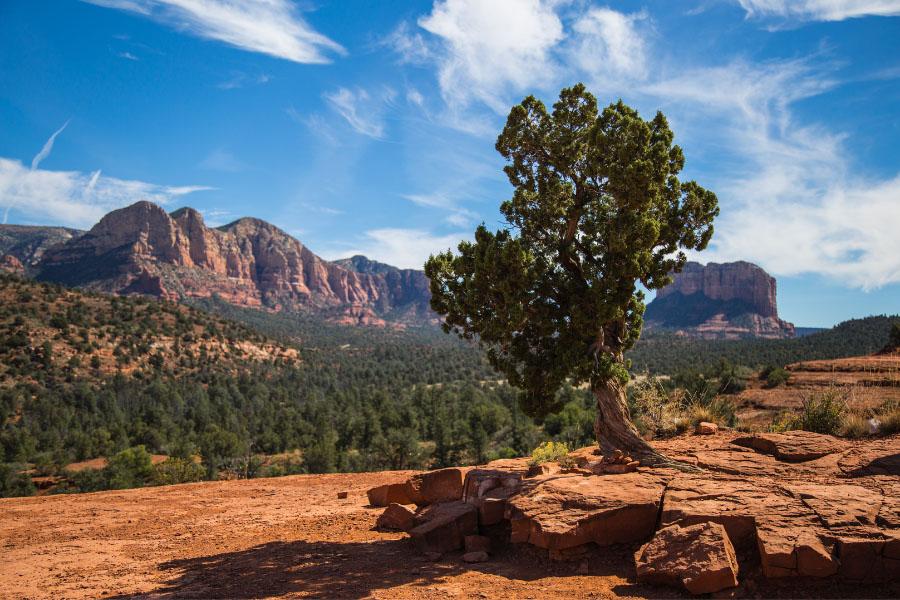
[797, 504]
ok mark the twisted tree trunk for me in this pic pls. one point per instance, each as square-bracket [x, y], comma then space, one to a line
[615, 431]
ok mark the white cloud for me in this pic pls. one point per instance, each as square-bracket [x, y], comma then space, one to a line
[608, 44]
[48, 147]
[128, 56]
[360, 110]
[270, 27]
[74, 198]
[791, 201]
[820, 10]
[403, 248]
[491, 49]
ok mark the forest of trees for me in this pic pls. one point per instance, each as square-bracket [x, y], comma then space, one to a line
[87, 375]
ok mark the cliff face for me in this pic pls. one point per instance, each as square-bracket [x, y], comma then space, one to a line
[142, 249]
[28, 243]
[727, 300]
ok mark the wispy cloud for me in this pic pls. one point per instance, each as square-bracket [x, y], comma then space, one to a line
[820, 10]
[362, 111]
[403, 248]
[74, 198]
[222, 160]
[239, 80]
[458, 216]
[48, 147]
[270, 27]
[128, 56]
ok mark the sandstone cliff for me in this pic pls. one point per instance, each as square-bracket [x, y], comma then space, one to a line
[142, 249]
[728, 300]
[27, 243]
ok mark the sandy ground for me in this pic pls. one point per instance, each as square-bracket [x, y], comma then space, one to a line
[286, 537]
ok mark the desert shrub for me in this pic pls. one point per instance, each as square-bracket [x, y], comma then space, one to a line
[822, 412]
[654, 412]
[177, 470]
[854, 426]
[719, 410]
[777, 376]
[889, 417]
[549, 452]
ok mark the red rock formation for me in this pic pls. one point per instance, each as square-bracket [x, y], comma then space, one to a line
[142, 249]
[11, 264]
[728, 300]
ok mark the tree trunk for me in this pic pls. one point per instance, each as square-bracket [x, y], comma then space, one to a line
[615, 431]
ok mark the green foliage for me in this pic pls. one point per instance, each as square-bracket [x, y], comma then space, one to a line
[666, 353]
[889, 418]
[894, 339]
[775, 376]
[14, 481]
[177, 470]
[597, 208]
[549, 452]
[822, 412]
[132, 467]
[719, 410]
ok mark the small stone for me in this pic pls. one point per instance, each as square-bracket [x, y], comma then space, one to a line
[707, 428]
[475, 557]
[397, 517]
[342, 495]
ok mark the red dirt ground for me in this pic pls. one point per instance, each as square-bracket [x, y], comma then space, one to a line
[287, 537]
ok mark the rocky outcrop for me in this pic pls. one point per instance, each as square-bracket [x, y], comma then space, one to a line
[142, 249]
[12, 265]
[28, 243]
[795, 504]
[699, 558]
[729, 300]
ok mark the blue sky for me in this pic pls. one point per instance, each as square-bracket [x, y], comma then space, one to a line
[368, 127]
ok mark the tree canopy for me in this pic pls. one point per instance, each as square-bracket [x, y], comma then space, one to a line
[597, 209]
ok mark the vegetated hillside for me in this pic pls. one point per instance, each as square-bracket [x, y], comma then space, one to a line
[50, 335]
[668, 353]
[357, 399]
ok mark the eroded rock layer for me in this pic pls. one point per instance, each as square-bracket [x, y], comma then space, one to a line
[142, 249]
[795, 504]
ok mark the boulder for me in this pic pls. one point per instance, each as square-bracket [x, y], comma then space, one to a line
[397, 517]
[443, 485]
[492, 511]
[487, 488]
[706, 428]
[383, 495]
[699, 558]
[442, 527]
[564, 511]
[792, 446]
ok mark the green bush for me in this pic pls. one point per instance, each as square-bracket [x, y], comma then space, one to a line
[130, 468]
[889, 417]
[823, 412]
[14, 481]
[777, 377]
[549, 452]
[177, 470]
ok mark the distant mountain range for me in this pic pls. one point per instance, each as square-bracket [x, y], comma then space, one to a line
[142, 249]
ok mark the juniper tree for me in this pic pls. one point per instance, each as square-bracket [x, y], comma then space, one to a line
[597, 209]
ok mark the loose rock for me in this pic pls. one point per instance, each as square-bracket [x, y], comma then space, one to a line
[699, 558]
[397, 517]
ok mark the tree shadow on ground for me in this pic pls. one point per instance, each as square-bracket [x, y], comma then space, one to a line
[357, 569]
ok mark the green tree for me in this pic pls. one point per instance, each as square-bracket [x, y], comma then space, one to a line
[129, 468]
[598, 208]
[894, 341]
